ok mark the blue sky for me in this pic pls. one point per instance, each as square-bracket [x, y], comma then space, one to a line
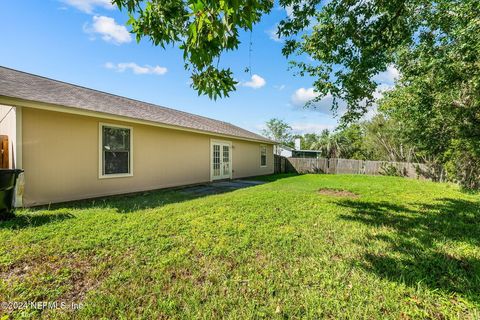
[85, 42]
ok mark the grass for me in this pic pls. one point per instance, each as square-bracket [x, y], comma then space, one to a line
[397, 248]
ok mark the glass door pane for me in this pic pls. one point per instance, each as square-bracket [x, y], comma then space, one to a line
[226, 161]
[216, 160]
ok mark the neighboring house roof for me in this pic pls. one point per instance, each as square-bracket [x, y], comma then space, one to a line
[26, 86]
[284, 147]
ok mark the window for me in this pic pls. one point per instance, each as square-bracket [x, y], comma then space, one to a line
[116, 156]
[263, 156]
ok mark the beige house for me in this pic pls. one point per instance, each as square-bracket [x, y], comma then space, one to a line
[77, 143]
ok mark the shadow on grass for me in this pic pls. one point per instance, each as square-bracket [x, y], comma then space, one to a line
[128, 203]
[34, 220]
[412, 237]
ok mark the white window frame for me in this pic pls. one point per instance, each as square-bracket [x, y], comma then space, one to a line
[100, 152]
[266, 156]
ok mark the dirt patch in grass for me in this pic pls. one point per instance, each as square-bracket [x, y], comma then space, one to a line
[337, 193]
[75, 274]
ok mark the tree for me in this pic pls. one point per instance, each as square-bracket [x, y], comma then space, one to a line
[375, 139]
[279, 131]
[331, 145]
[385, 140]
[436, 103]
[308, 141]
[354, 139]
[203, 29]
[347, 42]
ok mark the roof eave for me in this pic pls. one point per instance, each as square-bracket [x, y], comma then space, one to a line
[19, 102]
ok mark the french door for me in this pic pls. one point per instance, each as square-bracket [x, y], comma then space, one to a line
[221, 160]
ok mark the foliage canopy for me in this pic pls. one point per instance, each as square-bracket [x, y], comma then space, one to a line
[347, 42]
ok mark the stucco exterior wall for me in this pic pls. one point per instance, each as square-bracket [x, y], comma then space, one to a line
[60, 154]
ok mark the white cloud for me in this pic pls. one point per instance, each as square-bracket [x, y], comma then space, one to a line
[371, 112]
[255, 82]
[272, 34]
[381, 88]
[135, 68]
[388, 76]
[303, 95]
[280, 87]
[308, 127]
[324, 105]
[377, 94]
[109, 30]
[88, 6]
[289, 11]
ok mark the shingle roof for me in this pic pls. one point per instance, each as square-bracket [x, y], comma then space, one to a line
[18, 84]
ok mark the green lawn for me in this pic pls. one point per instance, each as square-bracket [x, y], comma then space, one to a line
[398, 248]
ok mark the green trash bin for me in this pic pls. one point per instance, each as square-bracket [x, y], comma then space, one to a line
[8, 179]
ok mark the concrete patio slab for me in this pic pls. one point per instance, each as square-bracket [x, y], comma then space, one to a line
[219, 187]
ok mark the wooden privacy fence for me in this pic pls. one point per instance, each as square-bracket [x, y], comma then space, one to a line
[348, 166]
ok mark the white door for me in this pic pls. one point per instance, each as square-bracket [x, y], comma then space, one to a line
[221, 160]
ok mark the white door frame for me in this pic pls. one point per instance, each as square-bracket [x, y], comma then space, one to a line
[221, 143]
